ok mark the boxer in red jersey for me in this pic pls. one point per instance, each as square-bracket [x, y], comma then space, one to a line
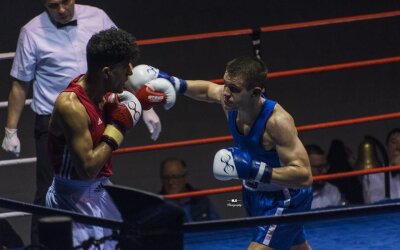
[88, 122]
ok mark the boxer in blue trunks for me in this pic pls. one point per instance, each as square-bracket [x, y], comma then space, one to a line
[268, 154]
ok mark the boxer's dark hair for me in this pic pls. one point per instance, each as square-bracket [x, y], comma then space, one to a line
[250, 69]
[110, 47]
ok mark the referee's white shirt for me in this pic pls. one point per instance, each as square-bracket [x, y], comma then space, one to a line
[51, 57]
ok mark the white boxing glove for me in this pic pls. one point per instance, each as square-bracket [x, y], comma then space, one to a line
[130, 101]
[11, 142]
[235, 163]
[224, 167]
[143, 74]
[156, 92]
[152, 122]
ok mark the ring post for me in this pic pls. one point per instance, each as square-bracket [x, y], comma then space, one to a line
[55, 233]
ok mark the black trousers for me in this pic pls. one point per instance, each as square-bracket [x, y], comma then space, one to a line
[44, 170]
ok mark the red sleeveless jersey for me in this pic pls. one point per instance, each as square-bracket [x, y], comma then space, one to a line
[59, 152]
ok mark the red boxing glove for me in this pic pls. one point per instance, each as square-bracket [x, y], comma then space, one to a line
[121, 113]
[118, 114]
[149, 98]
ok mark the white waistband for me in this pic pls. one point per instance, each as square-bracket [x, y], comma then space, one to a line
[61, 184]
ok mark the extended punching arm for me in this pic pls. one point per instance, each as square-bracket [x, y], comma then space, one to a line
[143, 74]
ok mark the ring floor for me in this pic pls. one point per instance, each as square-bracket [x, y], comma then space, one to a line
[361, 232]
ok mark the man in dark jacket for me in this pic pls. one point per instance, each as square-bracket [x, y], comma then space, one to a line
[173, 174]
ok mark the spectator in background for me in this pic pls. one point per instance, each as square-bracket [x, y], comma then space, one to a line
[341, 160]
[374, 184]
[173, 174]
[324, 193]
[393, 148]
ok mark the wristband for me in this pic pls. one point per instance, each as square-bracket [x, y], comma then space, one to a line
[182, 87]
[110, 142]
[263, 172]
[112, 136]
[267, 175]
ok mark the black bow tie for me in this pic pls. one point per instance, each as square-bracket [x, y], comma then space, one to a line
[70, 23]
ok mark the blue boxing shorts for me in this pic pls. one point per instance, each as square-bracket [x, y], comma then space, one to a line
[266, 203]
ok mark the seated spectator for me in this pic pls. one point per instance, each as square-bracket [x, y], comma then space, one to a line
[324, 193]
[341, 160]
[173, 175]
[393, 148]
[374, 184]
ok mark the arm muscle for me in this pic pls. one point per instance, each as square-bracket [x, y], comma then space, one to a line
[71, 118]
[296, 170]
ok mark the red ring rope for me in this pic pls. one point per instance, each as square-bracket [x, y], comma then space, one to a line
[355, 64]
[270, 28]
[316, 178]
[228, 137]
[279, 27]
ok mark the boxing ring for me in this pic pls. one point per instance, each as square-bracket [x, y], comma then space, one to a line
[350, 227]
[358, 232]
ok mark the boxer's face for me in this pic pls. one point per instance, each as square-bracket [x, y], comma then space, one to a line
[235, 93]
[173, 177]
[60, 11]
[319, 164]
[394, 149]
[117, 76]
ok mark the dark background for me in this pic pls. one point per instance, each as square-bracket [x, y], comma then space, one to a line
[310, 98]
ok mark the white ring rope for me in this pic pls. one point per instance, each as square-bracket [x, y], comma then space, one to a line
[4, 56]
[13, 215]
[7, 55]
[5, 104]
[17, 161]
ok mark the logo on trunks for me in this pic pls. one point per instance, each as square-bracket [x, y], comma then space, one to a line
[99, 188]
[234, 203]
[229, 168]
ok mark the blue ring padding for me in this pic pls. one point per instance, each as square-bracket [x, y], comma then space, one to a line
[314, 215]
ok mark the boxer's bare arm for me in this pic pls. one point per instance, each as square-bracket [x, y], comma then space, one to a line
[295, 171]
[204, 91]
[70, 118]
